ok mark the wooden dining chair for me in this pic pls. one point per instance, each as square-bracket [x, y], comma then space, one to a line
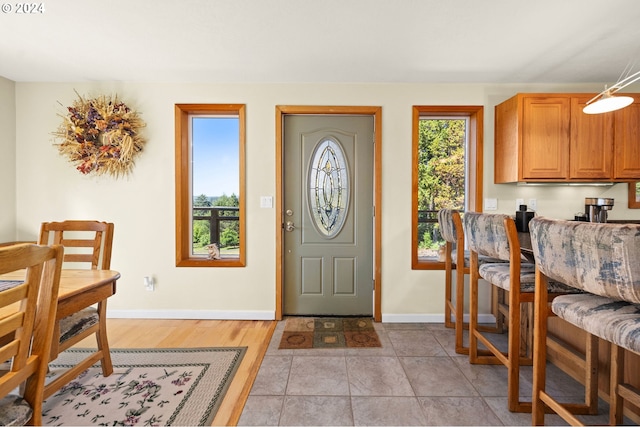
[457, 259]
[600, 260]
[28, 310]
[495, 235]
[87, 245]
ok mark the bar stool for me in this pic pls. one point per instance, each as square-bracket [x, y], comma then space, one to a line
[457, 258]
[602, 261]
[495, 235]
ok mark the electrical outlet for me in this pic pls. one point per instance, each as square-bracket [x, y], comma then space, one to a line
[148, 283]
[518, 203]
[533, 204]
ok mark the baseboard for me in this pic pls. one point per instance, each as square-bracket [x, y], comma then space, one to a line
[191, 314]
[268, 315]
[430, 318]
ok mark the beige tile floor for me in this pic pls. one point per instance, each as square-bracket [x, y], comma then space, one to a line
[415, 378]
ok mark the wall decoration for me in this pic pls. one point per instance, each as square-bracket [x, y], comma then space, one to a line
[100, 136]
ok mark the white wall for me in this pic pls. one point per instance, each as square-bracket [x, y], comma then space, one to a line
[7, 160]
[142, 205]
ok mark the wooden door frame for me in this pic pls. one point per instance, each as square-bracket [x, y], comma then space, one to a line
[376, 113]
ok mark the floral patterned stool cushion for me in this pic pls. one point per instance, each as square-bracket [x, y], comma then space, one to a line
[614, 321]
[14, 411]
[77, 322]
[482, 259]
[499, 275]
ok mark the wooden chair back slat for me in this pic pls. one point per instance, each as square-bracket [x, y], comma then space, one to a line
[9, 350]
[10, 324]
[82, 243]
[12, 295]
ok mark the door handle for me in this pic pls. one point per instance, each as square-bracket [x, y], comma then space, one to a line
[289, 226]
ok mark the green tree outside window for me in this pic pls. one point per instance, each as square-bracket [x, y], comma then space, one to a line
[441, 173]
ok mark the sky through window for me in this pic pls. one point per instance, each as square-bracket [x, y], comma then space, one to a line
[215, 154]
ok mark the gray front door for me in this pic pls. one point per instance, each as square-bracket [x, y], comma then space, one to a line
[328, 214]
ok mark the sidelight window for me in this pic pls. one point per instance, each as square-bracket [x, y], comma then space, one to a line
[210, 213]
[447, 153]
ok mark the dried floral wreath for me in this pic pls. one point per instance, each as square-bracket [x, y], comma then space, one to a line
[100, 136]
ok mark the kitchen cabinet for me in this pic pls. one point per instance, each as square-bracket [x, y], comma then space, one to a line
[547, 138]
[591, 148]
[626, 164]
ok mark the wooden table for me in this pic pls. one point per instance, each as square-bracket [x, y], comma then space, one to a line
[79, 288]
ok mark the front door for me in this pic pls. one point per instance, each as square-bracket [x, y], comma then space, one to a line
[328, 202]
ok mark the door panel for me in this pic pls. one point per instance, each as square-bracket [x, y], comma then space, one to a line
[328, 205]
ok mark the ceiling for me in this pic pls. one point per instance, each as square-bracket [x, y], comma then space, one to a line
[308, 41]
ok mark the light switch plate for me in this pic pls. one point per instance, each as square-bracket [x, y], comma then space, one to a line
[266, 201]
[490, 204]
[149, 283]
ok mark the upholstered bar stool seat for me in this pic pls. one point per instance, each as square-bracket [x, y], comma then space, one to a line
[615, 321]
[481, 258]
[499, 275]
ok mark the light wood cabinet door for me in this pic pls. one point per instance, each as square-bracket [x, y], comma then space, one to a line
[545, 137]
[627, 141]
[591, 151]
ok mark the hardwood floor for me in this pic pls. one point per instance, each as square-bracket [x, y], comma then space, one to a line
[151, 333]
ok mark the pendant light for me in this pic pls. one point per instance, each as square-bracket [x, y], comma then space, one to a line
[605, 102]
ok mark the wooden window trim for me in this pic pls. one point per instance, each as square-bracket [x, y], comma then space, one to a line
[183, 193]
[633, 203]
[474, 164]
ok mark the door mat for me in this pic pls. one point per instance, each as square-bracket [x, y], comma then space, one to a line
[329, 332]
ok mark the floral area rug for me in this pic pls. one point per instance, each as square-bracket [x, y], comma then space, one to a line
[147, 387]
[329, 332]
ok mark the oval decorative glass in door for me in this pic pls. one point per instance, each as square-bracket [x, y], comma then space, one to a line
[328, 186]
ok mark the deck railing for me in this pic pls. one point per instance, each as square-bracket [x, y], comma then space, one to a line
[428, 223]
[215, 215]
[427, 217]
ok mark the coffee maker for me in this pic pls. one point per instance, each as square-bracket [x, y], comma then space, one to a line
[595, 208]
